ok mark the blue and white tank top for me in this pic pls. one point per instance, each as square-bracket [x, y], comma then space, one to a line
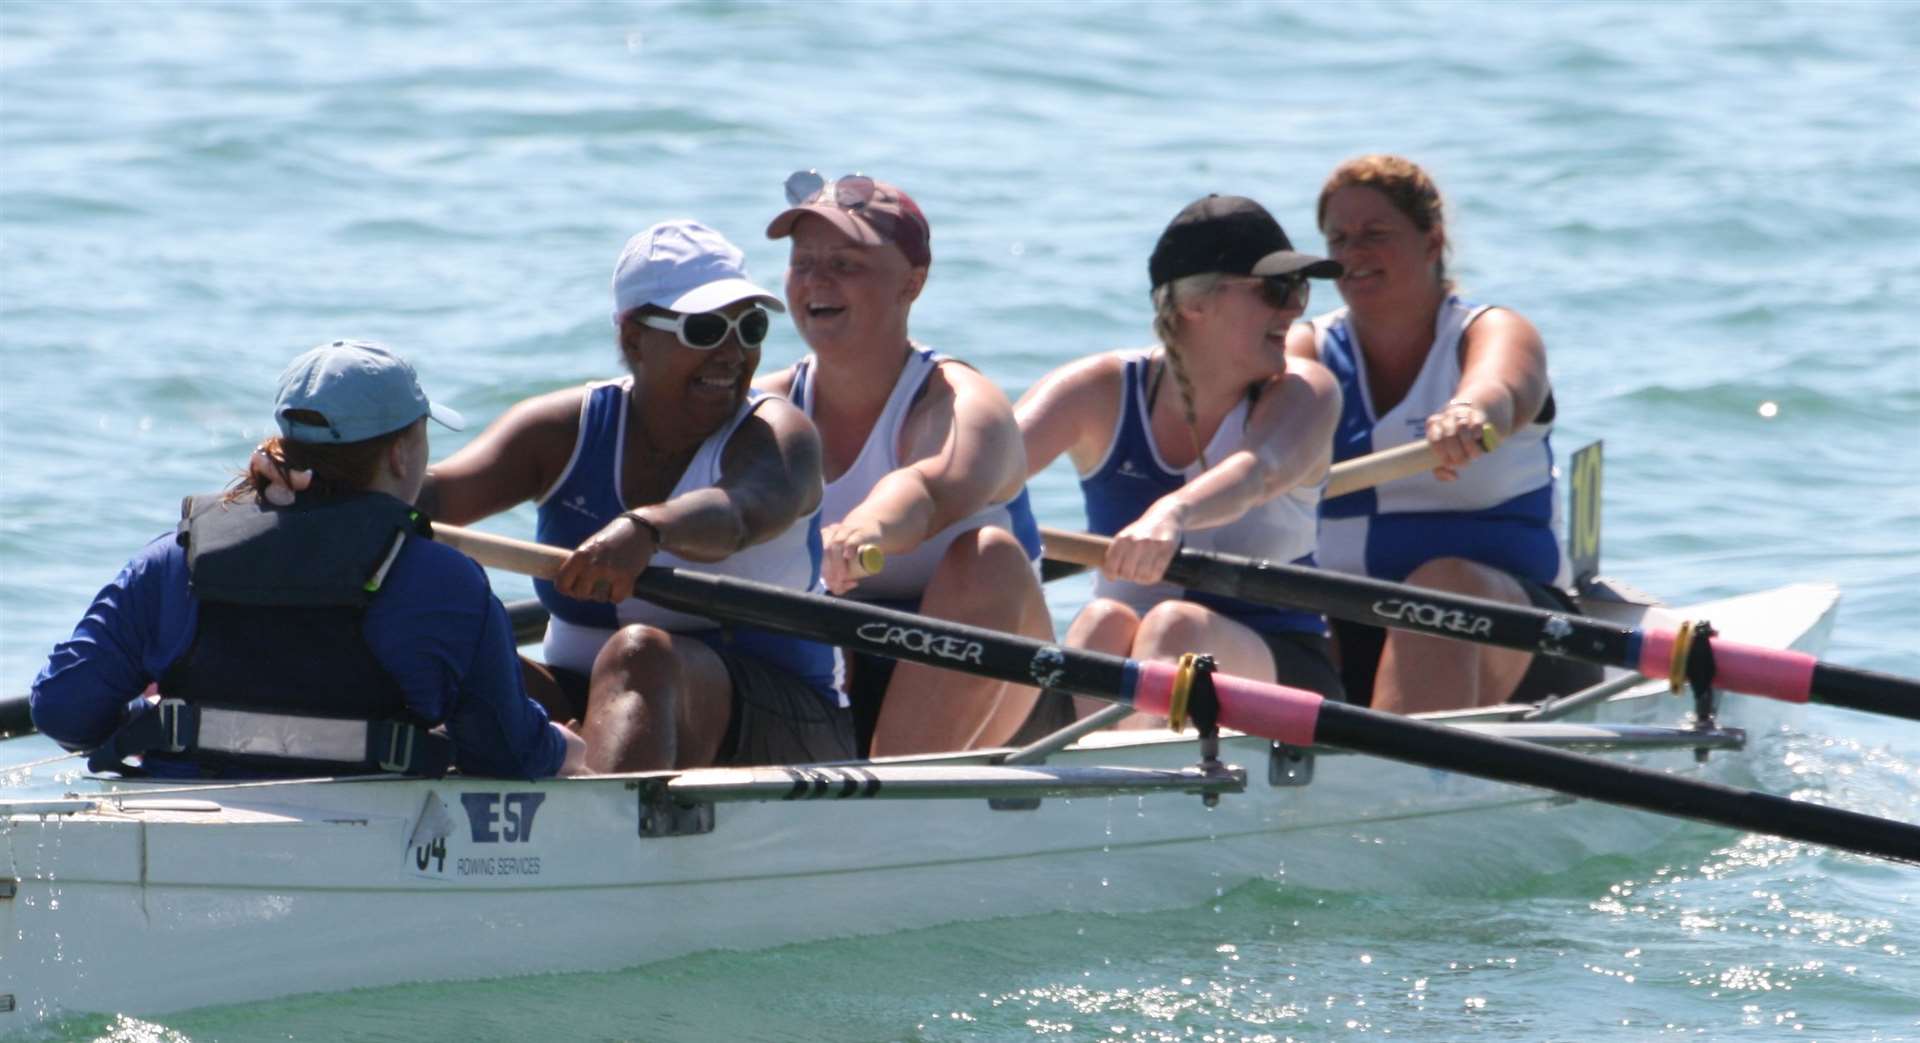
[1133, 475]
[588, 496]
[906, 575]
[1500, 512]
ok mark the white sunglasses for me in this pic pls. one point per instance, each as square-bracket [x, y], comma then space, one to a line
[704, 330]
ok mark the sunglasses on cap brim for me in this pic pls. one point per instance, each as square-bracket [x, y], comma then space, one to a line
[703, 331]
[849, 193]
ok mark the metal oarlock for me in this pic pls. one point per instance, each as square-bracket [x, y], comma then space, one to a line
[1693, 660]
[1194, 693]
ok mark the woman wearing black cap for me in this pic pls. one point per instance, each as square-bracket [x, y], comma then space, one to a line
[1213, 438]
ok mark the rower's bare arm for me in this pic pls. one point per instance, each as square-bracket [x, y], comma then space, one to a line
[769, 476]
[517, 458]
[1503, 369]
[1300, 342]
[1503, 382]
[1072, 410]
[1289, 442]
[961, 449]
[779, 382]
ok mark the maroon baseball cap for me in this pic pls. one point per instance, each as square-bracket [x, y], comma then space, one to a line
[867, 211]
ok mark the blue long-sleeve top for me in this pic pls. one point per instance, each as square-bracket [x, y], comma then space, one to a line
[435, 626]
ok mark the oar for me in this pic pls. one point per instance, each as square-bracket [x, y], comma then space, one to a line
[1652, 651]
[1288, 715]
[1399, 462]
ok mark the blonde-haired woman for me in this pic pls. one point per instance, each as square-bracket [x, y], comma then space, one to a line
[1414, 360]
[1213, 439]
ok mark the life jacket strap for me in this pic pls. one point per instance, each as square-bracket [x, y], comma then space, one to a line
[275, 742]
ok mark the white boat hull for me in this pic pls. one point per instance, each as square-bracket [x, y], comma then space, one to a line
[158, 902]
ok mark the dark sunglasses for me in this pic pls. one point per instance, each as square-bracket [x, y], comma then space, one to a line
[1285, 291]
[703, 331]
[849, 193]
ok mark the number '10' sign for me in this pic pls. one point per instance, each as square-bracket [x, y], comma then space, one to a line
[1583, 511]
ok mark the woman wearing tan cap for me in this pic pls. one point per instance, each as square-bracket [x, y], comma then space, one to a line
[923, 460]
[1416, 361]
[1213, 439]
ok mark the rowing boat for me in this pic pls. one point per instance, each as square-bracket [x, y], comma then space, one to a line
[144, 899]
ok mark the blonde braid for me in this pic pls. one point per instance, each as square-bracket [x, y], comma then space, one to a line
[1166, 326]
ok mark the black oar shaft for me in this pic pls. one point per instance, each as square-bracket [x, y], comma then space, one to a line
[16, 717]
[896, 635]
[528, 618]
[1402, 607]
[1566, 635]
[1867, 690]
[1438, 746]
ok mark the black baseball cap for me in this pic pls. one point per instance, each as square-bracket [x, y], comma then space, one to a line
[1233, 235]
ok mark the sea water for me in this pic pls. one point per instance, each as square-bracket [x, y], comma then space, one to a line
[1711, 211]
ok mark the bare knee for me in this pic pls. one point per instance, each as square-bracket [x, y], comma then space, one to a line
[1104, 625]
[1460, 576]
[631, 702]
[637, 653]
[978, 577]
[1172, 627]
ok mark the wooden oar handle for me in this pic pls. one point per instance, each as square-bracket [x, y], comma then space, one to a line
[543, 562]
[1079, 548]
[1398, 462]
[502, 552]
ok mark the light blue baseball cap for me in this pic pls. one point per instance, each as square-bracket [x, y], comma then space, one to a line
[361, 390]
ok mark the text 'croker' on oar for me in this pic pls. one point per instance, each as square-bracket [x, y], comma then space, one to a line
[1677, 654]
[1288, 715]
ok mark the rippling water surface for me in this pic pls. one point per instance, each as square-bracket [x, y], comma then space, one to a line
[1711, 211]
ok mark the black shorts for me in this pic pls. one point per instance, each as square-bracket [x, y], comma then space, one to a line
[777, 718]
[1303, 660]
[1360, 646]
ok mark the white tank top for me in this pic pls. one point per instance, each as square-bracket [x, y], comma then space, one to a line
[1513, 485]
[905, 575]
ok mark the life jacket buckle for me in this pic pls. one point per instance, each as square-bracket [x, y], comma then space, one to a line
[400, 742]
[174, 713]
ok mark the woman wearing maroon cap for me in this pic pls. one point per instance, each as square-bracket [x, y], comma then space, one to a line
[1213, 438]
[1414, 360]
[923, 460]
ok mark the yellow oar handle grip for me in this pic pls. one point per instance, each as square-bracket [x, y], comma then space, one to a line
[872, 559]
